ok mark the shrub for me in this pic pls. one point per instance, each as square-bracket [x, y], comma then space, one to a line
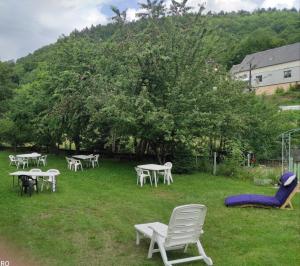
[184, 160]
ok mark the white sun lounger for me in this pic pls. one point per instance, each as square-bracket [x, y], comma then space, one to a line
[184, 228]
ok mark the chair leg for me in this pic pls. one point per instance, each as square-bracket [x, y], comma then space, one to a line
[163, 253]
[137, 238]
[206, 259]
[151, 247]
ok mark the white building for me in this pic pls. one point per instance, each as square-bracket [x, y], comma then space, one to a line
[271, 69]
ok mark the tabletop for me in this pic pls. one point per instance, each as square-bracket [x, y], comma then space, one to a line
[33, 173]
[29, 155]
[83, 157]
[153, 167]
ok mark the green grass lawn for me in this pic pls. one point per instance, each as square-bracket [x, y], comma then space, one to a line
[90, 219]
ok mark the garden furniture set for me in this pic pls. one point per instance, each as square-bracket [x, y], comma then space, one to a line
[149, 171]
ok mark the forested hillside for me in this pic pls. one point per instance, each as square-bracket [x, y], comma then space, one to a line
[230, 36]
[156, 86]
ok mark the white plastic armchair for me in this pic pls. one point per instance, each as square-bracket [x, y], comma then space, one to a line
[42, 160]
[95, 160]
[70, 163]
[12, 160]
[167, 173]
[22, 162]
[185, 228]
[142, 175]
[77, 164]
[50, 180]
[35, 177]
[35, 170]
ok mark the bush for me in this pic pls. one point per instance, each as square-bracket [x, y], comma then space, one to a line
[184, 160]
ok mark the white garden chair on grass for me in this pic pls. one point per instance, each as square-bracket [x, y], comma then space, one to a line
[22, 162]
[185, 227]
[35, 177]
[70, 162]
[167, 173]
[77, 164]
[50, 180]
[12, 160]
[42, 160]
[95, 160]
[142, 175]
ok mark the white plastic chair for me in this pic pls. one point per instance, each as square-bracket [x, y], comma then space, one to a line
[167, 173]
[35, 170]
[185, 227]
[22, 161]
[42, 160]
[12, 160]
[35, 177]
[77, 164]
[70, 162]
[50, 180]
[95, 160]
[142, 175]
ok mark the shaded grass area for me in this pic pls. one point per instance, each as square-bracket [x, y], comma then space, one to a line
[89, 220]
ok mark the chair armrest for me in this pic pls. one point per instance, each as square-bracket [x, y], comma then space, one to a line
[156, 232]
[147, 172]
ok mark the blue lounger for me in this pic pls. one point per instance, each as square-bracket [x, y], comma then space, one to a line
[282, 199]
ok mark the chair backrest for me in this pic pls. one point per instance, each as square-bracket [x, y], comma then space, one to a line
[11, 157]
[284, 191]
[35, 170]
[96, 157]
[169, 165]
[138, 170]
[54, 171]
[25, 180]
[185, 225]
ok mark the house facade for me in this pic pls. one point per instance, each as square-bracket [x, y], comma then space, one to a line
[271, 69]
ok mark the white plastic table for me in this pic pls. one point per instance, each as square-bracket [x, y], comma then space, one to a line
[33, 155]
[43, 174]
[154, 168]
[83, 157]
[29, 156]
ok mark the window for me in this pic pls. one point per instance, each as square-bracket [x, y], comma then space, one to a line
[287, 74]
[259, 78]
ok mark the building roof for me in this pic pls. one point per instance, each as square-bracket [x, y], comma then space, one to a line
[279, 55]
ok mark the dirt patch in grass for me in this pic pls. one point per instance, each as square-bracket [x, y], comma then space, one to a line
[168, 195]
[12, 256]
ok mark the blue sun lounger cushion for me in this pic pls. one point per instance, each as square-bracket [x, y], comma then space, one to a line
[288, 182]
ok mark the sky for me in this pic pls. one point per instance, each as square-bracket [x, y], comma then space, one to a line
[26, 25]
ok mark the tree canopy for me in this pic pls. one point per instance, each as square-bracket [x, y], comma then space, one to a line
[157, 86]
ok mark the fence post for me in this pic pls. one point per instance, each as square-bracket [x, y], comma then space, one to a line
[248, 159]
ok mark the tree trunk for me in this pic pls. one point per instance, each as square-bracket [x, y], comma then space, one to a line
[77, 143]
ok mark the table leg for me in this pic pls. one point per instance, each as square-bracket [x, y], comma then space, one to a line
[155, 181]
[53, 183]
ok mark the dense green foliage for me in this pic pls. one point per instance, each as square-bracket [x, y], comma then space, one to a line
[89, 219]
[149, 87]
